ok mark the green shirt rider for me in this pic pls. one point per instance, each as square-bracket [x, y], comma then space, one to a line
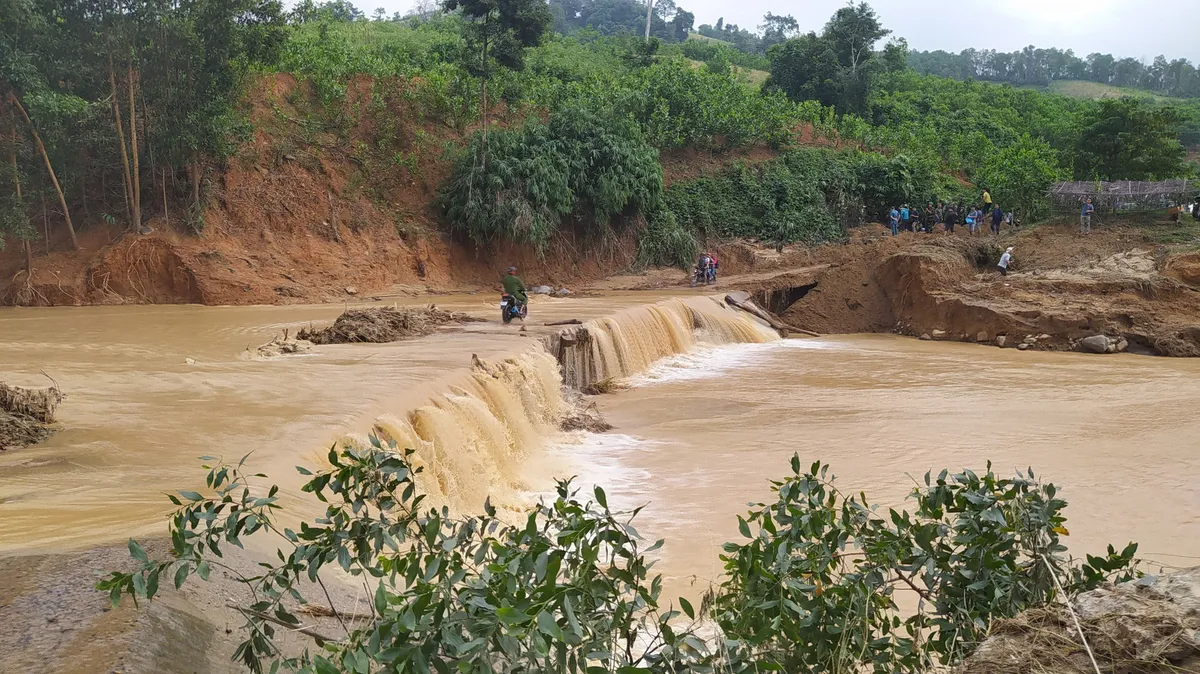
[513, 286]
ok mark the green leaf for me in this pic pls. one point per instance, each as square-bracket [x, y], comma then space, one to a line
[137, 551]
[181, 575]
[511, 616]
[202, 570]
[687, 606]
[743, 527]
[191, 496]
[601, 498]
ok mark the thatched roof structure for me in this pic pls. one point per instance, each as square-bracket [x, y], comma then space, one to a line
[1125, 194]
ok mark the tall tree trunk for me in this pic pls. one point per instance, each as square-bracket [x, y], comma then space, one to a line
[136, 190]
[49, 169]
[649, 13]
[195, 182]
[166, 216]
[20, 204]
[116, 108]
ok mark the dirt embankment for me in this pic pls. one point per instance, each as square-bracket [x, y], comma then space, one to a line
[1148, 626]
[1063, 288]
[309, 210]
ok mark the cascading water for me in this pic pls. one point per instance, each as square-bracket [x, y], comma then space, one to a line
[475, 439]
[630, 341]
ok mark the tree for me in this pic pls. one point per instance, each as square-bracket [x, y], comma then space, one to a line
[776, 29]
[807, 68]
[853, 32]
[895, 55]
[1020, 174]
[682, 24]
[379, 14]
[1129, 139]
[497, 33]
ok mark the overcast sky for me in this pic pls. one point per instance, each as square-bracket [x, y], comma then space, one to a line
[1137, 28]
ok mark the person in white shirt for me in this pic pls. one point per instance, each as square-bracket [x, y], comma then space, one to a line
[1005, 260]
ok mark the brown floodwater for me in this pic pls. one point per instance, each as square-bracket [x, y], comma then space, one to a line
[138, 415]
[698, 435]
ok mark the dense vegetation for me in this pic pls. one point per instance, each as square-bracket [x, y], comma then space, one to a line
[113, 111]
[810, 587]
[1032, 66]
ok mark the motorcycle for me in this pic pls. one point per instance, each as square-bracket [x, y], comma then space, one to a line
[510, 308]
[704, 276]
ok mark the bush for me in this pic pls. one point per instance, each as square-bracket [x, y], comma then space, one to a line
[570, 589]
[526, 181]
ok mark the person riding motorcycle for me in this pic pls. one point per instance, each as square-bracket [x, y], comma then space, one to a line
[515, 287]
[703, 269]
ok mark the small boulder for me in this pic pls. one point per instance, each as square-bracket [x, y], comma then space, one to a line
[190, 361]
[925, 337]
[1094, 344]
[1043, 337]
[1122, 345]
[1030, 339]
[939, 334]
[1023, 346]
[1001, 340]
[562, 292]
[541, 290]
[981, 336]
[351, 290]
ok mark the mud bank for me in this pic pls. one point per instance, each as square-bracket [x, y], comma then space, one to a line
[1141, 627]
[948, 288]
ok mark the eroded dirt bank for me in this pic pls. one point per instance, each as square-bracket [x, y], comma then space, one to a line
[1063, 289]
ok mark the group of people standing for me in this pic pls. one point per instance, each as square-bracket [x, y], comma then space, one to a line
[949, 216]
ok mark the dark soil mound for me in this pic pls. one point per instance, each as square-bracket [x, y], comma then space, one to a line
[378, 325]
[26, 415]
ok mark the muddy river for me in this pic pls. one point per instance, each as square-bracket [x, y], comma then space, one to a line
[697, 435]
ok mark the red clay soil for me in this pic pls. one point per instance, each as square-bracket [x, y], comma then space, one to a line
[1063, 288]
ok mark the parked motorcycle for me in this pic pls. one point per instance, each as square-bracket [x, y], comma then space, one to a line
[510, 308]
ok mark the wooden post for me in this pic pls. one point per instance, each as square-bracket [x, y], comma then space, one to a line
[49, 169]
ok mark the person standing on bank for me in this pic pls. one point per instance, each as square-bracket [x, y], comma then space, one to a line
[1085, 217]
[997, 218]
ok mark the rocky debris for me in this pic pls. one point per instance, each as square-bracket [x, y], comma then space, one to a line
[1023, 346]
[27, 415]
[351, 290]
[1143, 626]
[189, 360]
[281, 345]
[541, 290]
[604, 386]
[1102, 344]
[562, 292]
[925, 337]
[583, 416]
[938, 334]
[379, 325]
[1001, 340]
[981, 336]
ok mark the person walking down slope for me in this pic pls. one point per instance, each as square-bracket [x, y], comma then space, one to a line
[997, 218]
[1085, 217]
[894, 221]
[1005, 260]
